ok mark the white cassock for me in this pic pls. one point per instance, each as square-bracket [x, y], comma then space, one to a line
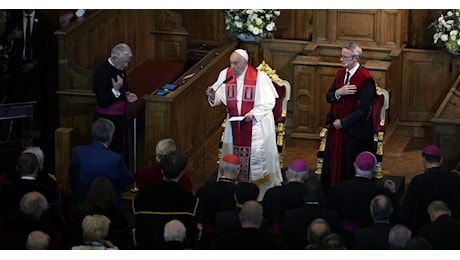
[264, 162]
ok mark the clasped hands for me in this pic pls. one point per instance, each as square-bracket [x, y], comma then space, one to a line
[130, 96]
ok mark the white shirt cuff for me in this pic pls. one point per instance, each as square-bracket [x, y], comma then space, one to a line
[116, 92]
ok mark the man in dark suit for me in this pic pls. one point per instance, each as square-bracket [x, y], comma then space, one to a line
[294, 223]
[228, 221]
[250, 236]
[375, 237]
[352, 197]
[278, 199]
[12, 193]
[217, 196]
[434, 184]
[94, 160]
[31, 39]
[153, 207]
[443, 230]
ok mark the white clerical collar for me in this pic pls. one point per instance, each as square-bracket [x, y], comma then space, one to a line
[27, 178]
[110, 61]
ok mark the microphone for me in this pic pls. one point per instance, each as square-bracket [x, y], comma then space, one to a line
[223, 82]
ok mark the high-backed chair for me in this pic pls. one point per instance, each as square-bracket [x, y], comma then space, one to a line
[381, 104]
[283, 87]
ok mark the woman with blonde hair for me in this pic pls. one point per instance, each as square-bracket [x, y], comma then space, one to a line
[151, 174]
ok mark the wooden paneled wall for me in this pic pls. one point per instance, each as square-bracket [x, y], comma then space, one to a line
[417, 73]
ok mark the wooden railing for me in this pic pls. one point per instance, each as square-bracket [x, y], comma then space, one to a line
[185, 114]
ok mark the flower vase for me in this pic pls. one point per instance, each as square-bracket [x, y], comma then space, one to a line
[249, 37]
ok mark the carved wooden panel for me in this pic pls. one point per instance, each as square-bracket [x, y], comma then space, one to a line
[77, 111]
[279, 54]
[426, 80]
[446, 126]
[204, 25]
[295, 24]
[368, 27]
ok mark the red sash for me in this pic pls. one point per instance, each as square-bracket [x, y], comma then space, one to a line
[242, 130]
[341, 109]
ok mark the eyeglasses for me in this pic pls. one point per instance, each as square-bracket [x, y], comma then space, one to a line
[346, 57]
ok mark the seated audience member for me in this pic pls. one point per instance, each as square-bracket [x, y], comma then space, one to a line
[37, 240]
[155, 206]
[174, 235]
[44, 177]
[333, 241]
[434, 184]
[399, 237]
[217, 196]
[150, 175]
[91, 161]
[278, 199]
[27, 166]
[101, 200]
[294, 223]
[352, 197]
[375, 236]
[250, 237]
[95, 229]
[228, 221]
[317, 231]
[16, 228]
[443, 232]
[419, 243]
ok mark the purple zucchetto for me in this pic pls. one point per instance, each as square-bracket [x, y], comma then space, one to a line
[366, 161]
[298, 166]
[432, 150]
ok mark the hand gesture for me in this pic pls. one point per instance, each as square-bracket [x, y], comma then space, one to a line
[346, 90]
[211, 92]
[131, 97]
[118, 83]
[248, 117]
[390, 185]
[16, 34]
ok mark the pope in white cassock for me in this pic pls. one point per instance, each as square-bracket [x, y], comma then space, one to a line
[249, 96]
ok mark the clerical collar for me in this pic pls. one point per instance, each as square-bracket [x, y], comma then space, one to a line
[27, 178]
[223, 178]
[111, 63]
[312, 202]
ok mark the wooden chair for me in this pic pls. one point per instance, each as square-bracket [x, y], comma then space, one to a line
[283, 87]
[381, 104]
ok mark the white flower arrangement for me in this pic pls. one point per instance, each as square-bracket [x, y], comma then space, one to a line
[447, 29]
[256, 22]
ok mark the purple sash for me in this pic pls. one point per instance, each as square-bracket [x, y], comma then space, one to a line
[117, 108]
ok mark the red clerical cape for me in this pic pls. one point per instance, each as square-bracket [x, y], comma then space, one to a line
[341, 109]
